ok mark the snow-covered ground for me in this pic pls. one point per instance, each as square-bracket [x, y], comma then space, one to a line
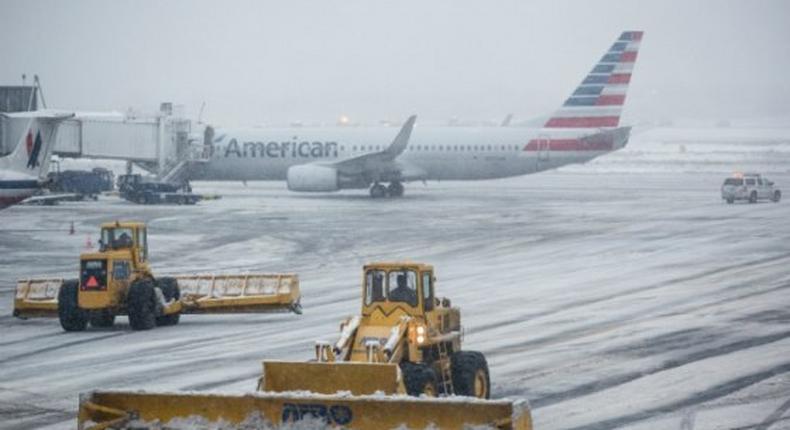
[618, 294]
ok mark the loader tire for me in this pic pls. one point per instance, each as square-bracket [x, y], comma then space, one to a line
[72, 318]
[102, 319]
[470, 374]
[419, 379]
[169, 287]
[141, 305]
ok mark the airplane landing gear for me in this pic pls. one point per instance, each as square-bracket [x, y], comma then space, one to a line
[395, 189]
[378, 191]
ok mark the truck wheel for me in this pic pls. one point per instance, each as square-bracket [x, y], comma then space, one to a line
[141, 305]
[470, 374]
[777, 196]
[419, 379]
[103, 318]
[72, 318]
[169, 287]
[753, 197]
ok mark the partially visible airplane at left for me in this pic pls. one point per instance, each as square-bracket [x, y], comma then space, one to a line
[24, 171]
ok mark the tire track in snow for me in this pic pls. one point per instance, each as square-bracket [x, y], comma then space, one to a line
[663, 284]
[604, 384]
[715, 392]
[29, 354]
[641, 315]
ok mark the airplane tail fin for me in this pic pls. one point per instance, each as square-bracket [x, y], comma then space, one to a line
[35, 144]
[598, 101]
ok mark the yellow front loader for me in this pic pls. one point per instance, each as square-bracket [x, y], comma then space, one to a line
[397, 365]
[117, 280]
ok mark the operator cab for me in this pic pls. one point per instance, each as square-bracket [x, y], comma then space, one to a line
[118, 236]
[399, 284]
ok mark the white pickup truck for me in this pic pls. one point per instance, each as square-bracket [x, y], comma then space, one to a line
[750, 187]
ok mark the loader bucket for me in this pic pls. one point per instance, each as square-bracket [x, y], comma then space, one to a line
[37, 298]
[239, 293]
[330, 378]
[141, 410]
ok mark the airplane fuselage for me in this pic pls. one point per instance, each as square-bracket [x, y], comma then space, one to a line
[437, 153]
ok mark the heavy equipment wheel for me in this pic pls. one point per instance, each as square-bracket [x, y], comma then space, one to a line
[470, 374]
[753, 197]
[72, 318]
[169, 287]
[419, 379]
[777, 196]
[141, 305]
[103, 318]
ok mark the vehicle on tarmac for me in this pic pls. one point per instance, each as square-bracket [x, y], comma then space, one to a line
[750, 187]
[150, 191]
[399, 364]
[81, 183]
[117, 280]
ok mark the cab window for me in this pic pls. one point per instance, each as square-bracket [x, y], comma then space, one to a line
[374, 286]
[733, 181]
[749, 181]
[402, 286]
[120, 270]
[427, 290]
[117, 238]
[142, 240]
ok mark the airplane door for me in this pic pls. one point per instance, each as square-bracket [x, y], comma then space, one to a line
[544, 152]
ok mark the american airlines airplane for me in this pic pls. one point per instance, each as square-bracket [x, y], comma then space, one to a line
[331, 159]
[24, 171]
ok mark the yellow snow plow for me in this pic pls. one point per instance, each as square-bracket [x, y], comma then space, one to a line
[117, 280]
[399, 364]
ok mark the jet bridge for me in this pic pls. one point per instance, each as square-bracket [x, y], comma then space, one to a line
[159, 144]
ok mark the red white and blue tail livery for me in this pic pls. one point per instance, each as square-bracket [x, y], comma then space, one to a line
[598, 101]
[23, 171]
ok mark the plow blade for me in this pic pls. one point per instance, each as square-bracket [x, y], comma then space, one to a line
[329, 378]
[140, 410]
[37, 298]
[254, 293]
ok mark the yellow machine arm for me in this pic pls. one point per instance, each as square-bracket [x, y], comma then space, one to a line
[253, 293]
[37, 297]
[239, 293]
[139, 410]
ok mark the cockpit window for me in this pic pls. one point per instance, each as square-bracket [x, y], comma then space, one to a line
[403, 286]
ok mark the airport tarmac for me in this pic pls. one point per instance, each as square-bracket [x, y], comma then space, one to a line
[618, 294]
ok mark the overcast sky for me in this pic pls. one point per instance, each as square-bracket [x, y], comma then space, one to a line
[257, 62]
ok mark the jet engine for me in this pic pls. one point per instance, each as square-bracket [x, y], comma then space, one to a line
[308, 177]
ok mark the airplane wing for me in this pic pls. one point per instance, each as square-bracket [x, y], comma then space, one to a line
[380, 165]
[360, 171]
[382, 162]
